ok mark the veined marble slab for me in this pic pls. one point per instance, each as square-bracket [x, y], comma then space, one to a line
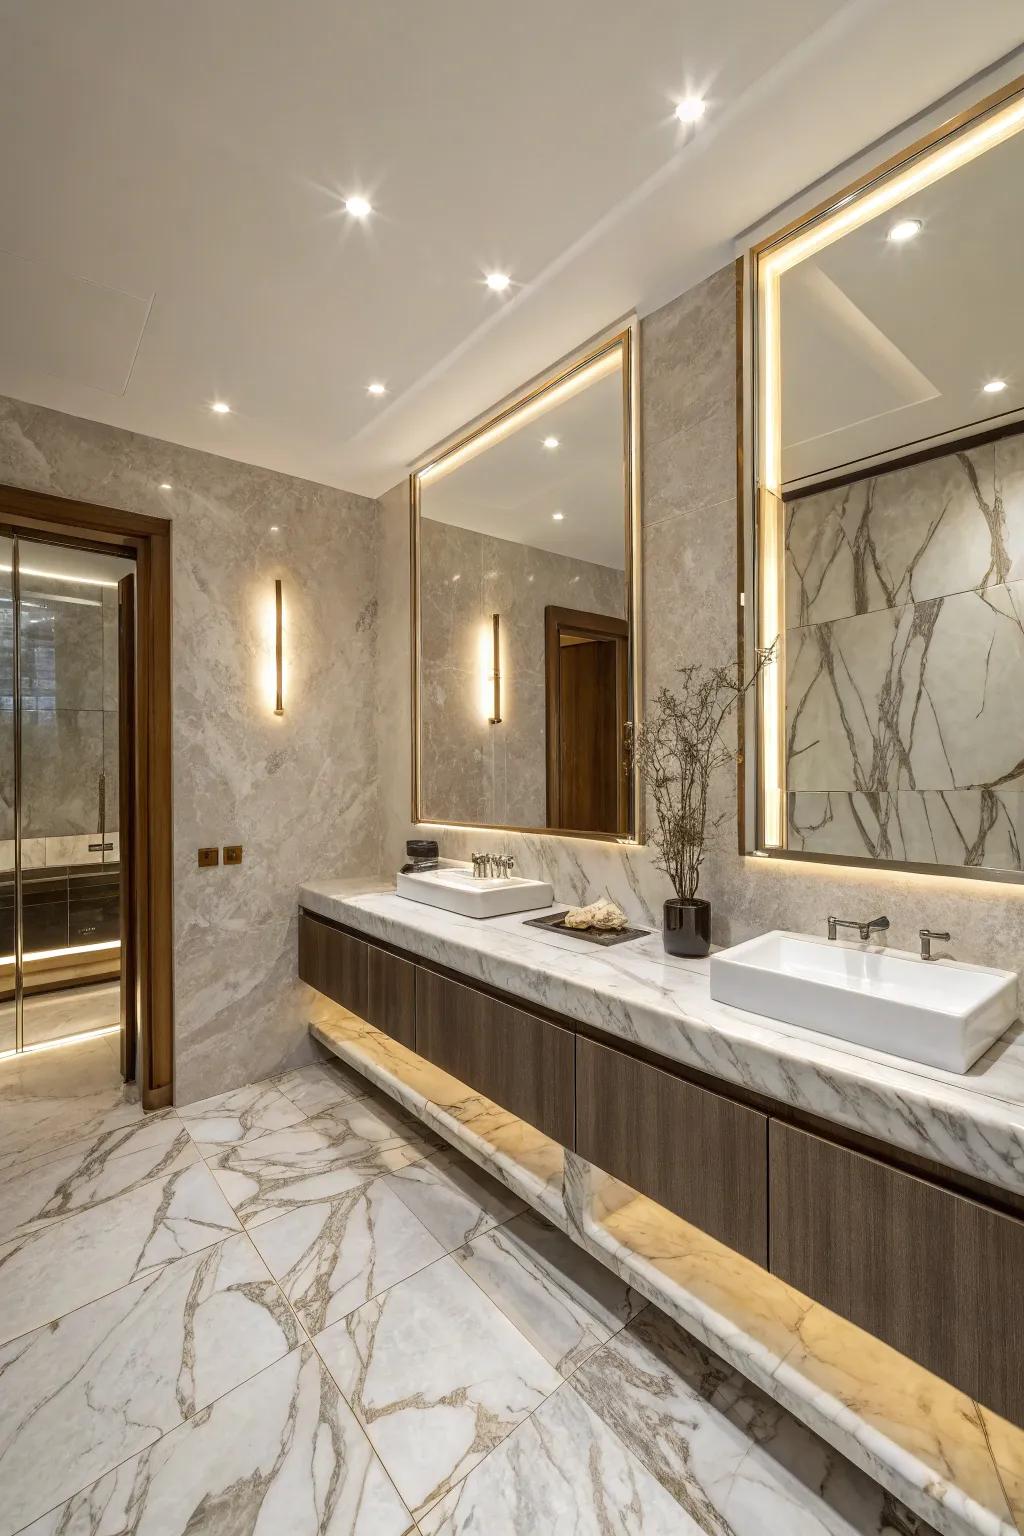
[973, 1123]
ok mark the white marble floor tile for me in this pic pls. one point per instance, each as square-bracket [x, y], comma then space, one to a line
[735, 1461]
[281, 1455]
[437, 1375]
[562, 1473]
[333, 1255]
[33, 1194]
[564, 1301]
[453, 1198]
[318, 1087]
[71, 1071]
[80, 1395]
[50, 1272]
[71, 1011]
[232, 1119]
[319, 1159]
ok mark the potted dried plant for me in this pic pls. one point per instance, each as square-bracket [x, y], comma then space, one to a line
[676, 752]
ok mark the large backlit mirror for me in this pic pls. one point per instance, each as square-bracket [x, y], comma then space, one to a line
[526, 610]
[889, 528]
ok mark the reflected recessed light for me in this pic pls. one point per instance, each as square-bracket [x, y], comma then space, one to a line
[557, 516]
[551, 442]
[274, 528]
[906, 229]
[995, 386]
[221, 407]
[376, 388]
[497, 282]
[691, 109]
[165, 485]
[358, 207]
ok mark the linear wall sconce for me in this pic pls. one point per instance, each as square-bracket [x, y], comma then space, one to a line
[492, 672]
[279, 647]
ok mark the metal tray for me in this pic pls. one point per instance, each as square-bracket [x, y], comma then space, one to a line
[554, 921]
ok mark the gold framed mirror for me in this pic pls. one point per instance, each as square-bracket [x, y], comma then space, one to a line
[526, 607]
[885, 513]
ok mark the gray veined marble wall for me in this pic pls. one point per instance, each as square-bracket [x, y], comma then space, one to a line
[688, 403]
[904, 660]
[472, 770]
[300, 793]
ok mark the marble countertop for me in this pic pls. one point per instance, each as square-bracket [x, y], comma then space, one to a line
[973, 1123]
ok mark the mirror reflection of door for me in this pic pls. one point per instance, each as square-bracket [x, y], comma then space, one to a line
[587, 697]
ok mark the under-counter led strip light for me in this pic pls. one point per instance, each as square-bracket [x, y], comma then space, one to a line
[57, 1045]
[61, 954]
[856, 211]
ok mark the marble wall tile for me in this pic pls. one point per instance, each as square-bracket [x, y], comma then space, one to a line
[472, 770]
[300, 792]
[690, 595]
[952, 826]
[282, 1453]
[61, 763]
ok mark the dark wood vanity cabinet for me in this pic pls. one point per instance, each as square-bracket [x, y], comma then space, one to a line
[933, 1273]
[515, 1058]
[391, 1001]
[333, 962]
[698, 1153]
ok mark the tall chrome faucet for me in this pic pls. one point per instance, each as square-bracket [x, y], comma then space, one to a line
[877, 924]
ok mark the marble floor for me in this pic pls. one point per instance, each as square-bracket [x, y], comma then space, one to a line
[290, 1310]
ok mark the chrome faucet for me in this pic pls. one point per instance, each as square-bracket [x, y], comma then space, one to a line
[926, 935]
[877, 924]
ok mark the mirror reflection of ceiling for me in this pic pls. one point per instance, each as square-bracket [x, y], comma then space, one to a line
[886, 345]
[515, 487]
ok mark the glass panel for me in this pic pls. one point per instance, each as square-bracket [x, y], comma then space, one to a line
[68, 691]
[8, 1013]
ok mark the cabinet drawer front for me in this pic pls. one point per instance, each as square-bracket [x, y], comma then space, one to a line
[334, 963]
[392, 995]
[696, 1153]
[521, 1062]
[933, 1273]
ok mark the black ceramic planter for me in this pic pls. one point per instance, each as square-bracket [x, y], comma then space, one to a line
[687, 926]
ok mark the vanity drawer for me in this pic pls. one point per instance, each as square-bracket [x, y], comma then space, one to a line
[334, 963]
[520, 1061]
[931, 1272]
[700, 1155]
[391, 989]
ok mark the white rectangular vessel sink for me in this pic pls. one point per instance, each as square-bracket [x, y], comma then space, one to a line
[939, 1012]
[455, 888]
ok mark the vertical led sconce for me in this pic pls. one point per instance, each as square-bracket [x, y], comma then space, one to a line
[495, 716]
[279, 647]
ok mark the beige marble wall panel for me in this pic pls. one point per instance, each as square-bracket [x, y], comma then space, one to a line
[689, 501]
[300, 793]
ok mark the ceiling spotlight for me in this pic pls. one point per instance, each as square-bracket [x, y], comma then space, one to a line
[497, 282]
[557, 516]
[995, 386]
[691, 109]
[376, 388]
[906, 229]
[165, 485]
[358, 207]
[551, 442]
[221, 407]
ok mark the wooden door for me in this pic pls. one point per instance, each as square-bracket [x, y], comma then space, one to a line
[587, 701]
[126, 823]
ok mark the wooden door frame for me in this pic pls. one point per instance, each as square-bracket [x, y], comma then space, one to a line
[35, 513]
[586, 626]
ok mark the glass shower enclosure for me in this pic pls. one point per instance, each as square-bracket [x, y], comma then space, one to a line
[60, 929]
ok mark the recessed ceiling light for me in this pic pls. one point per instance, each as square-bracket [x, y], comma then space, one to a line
[551, 442]
[557, 516]
[165, 485]
[906, 229]
[274, 528]
[497, 282]
[995, 386]
[221, 407]
[376, 388]
[691, 109]
[358, 207]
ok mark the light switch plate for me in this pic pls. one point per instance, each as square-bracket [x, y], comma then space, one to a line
[208, 857]
[233, 853]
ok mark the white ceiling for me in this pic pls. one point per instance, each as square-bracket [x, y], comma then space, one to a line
[512, 489]
[171, 176]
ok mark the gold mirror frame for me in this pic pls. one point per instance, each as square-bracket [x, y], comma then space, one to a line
[531, 400]
[963, 138]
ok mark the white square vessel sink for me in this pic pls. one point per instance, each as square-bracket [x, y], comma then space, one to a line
[455, 888]
[940, 1012]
